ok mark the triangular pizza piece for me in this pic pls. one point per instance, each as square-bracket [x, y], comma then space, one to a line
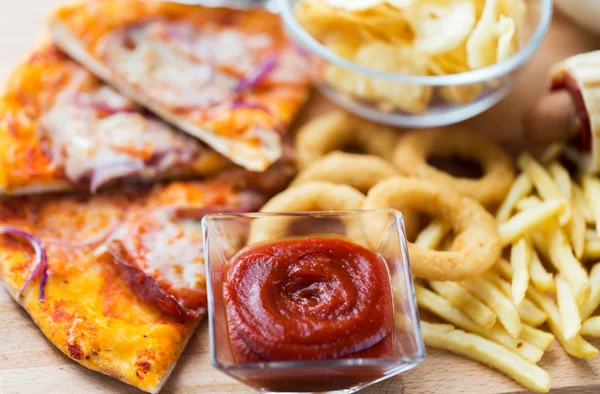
[61, 128]
[229, 77]
[115, 280]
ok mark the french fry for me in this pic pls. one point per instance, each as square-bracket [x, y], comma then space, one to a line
[462, 299]
[537, 337]
[552, 241]
[591, 327]
[582, 205]
[592, 249]
[562, 179]
[432, 235]
[576, 230]
[528, 203]
[520, 260]
[592, 303]
[441, 328]
[552, 152]
[441, 307]
[576, 226]
[520, 188]
[539, 277]
[529, 219]
[504, 268]
[543, 183]
[494, 298]
[489, 353]
[576, 346]
[569, 311]
[591, 188]
[528, 311]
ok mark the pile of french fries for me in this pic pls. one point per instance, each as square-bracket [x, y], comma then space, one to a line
[549, 224]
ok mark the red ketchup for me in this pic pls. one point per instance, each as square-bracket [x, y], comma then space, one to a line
[313, 298]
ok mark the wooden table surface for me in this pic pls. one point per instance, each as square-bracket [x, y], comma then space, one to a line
[30, 364]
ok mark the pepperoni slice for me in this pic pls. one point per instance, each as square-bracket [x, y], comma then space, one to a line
[162, 259]
[147, 287]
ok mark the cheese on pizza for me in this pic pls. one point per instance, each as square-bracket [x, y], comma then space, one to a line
[229, 77]
[61, 128]
[116, 321]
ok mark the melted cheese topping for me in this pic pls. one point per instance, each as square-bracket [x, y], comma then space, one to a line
[146, 60]
[224, 48]
[91, 131]
[170, 251]
[195, 64]
[58, 122]
[89, 312]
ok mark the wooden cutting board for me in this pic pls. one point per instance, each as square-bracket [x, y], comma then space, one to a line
[30, 364]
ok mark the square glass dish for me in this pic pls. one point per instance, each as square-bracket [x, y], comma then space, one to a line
[407, 100]
[380, 231]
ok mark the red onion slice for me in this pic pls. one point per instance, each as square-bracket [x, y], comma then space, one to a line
[165, 160]
[249, 82]
[88, 100]
[146, 287]
[40, 261]
[104, 175]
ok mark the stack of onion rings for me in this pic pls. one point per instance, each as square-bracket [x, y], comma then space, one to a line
[362, 172]
[476, 246]
[334, 180]
[414, 148]
[338, 130]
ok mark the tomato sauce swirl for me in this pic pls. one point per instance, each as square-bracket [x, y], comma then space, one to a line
[314, 298]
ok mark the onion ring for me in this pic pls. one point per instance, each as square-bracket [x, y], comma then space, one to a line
[362, 172]
[414, 148]
[337, 130]
[476, 245]
[308, 197]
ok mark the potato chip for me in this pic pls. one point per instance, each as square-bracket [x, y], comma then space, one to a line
[452, 62]
[482, 43]
[353, 5]
[461, 94]
[514, 9]
[399, 60]
[505, 29]
[344, 44]
[413, 37]
[440, 27]
[400, 3]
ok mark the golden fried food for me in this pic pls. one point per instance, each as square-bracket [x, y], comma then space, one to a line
[308, 197]
[415, 148]
[419, 38]
[338, 131]
[359, 171]
[476, 245]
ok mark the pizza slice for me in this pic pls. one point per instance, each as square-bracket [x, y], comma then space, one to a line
[115, 280]
[61, 128]
[228, 77]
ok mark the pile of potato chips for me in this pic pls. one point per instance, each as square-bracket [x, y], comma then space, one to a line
[412, 37]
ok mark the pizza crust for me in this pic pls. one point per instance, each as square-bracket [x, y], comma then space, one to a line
[240, 153]
[90, 312]
[117, 368]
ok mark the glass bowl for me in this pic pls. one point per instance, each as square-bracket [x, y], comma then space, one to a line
[488, 85]
[226, 234]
